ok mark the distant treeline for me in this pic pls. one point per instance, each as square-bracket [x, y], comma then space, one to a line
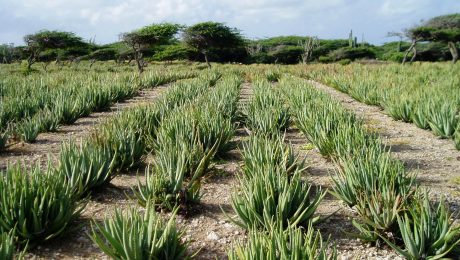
[430, 40]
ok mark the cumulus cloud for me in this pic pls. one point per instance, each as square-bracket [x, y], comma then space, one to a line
[106, 19]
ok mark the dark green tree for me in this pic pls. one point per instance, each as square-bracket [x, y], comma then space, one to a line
[210, 35]
[445, 29]
[48, 40]
[147, 37]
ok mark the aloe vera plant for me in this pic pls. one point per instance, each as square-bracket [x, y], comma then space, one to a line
[443, 119]
[176, 176]
[6, 246]
[262, 152]
[87, 166]
[280, 243]
[457, 137]
[47, 120]
[272, 194]
[133, 235]
[426, 230]
[28, 130]
[273, 75]
[3, 139]
[367, 172]
[36, 205]
[123, 140]
[399, 107]
[266, 113]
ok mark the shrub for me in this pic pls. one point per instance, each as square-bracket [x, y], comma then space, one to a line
[325, 59]
[36, 206]
[344, 61]
[352, 53]
[130, 235]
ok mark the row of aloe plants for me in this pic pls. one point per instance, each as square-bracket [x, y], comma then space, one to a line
[273, 202]
[188, 138]
[389, 204]
[427, 95]
[186, 142]
[58, 100]
[40, 204]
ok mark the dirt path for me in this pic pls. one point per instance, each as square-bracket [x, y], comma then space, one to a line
[435, 161]
[49, 144]
[210, 230]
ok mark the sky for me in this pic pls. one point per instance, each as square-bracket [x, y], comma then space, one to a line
[104, 20]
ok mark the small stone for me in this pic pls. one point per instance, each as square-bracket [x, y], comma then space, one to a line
[212, 236]
[228, 225]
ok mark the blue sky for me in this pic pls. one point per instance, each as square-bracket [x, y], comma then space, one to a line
[106, 19]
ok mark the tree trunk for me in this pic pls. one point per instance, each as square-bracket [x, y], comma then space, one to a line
[453, 51]
[415, 53]
[139, 62]
[92, 63]
[30, 61]
[407, 51]
[206, 59]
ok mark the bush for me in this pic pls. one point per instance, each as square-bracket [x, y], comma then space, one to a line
[133, 236]
[344, 61]
[325, 59]
[262, 57]
[352, 53]
[394, 56]
[36, 206]
[173, 52]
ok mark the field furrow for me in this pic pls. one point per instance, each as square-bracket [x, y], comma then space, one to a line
[435, 161]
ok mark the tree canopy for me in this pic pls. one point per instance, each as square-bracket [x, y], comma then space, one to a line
[207, 35]
[445, 28]
[147, 36]
[47, 41]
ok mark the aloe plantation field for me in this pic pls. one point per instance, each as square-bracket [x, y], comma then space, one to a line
[317, 161]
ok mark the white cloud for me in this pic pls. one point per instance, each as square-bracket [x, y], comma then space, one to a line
[257, 18]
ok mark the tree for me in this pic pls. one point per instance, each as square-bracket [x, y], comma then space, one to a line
[47, 40]
[148, 36]
[7, 53]
[308, 47]
[208, 35]
[445, 28]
